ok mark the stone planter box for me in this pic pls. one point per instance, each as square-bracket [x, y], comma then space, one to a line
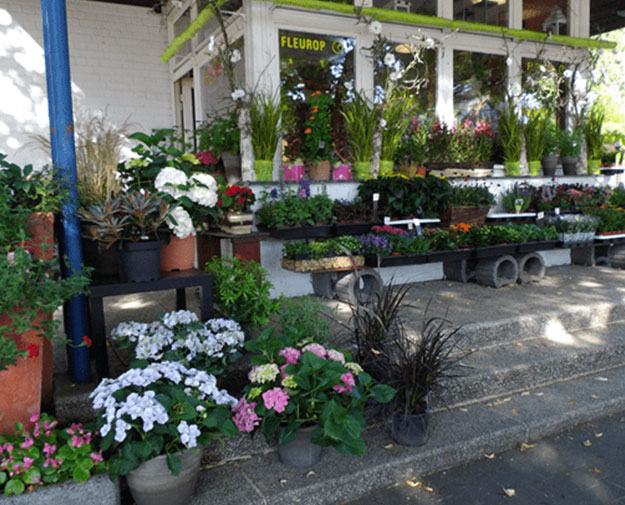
[98, 490]
[324, 264]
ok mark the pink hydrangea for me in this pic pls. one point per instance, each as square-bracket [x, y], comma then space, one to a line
[336, 356]
[291, 355]
[96, 457]
[245, 417]
[348, 383]
[317, 349]
[276, 399]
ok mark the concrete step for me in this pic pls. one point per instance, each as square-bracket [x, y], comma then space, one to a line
[457, 436]
[507, 367]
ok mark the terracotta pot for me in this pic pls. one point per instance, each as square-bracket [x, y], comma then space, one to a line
[21, 384]
[179, 254]
[320, 170]
[40, 228]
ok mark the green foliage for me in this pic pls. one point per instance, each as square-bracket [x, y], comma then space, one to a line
[303, 320]
[569, 143]
[617, 197]
[317, 249]
[469, 142]
[400, 107]
[220, 135]
[46, 454]
[361, 119]
[610, 220]
[414, 144]
[290, 209]
[536, 134]
[401, 197]
[593, 127]
[569, 197]
[265, 120]
[471, 196]
[241, 290]
[510, 133]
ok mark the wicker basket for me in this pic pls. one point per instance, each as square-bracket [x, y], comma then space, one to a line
[474, 216]
[324, 264]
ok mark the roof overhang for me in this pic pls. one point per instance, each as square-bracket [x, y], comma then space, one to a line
[604, 16]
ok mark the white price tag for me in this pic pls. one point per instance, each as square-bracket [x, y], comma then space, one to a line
[556, 211]
[376, 197]
[417, 222]
[540, 215]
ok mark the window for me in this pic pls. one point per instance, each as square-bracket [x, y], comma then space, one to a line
[416, 6]
[546, 16]
[479, 84]
[490, 12]
[180, 25]
[544, 85]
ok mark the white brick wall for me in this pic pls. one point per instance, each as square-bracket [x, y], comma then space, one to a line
[115, 63]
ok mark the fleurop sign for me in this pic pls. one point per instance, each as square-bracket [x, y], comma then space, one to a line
[305, 44]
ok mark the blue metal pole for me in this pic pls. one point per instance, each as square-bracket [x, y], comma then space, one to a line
[58, 80]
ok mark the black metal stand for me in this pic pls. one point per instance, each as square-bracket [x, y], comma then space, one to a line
[171, 280]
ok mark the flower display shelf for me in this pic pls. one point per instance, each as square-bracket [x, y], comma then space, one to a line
[301, 232]
[495, 250]
[352, 229]
[542, 245]
[374, 261]
[445, 256]
[333, 264]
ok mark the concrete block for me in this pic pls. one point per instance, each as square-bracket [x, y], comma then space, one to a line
[98, 490]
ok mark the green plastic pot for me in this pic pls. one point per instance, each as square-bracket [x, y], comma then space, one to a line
[594, 167]
[387, 168]
[534, 167]
[362, 170]
[264, 170]
[512, 168]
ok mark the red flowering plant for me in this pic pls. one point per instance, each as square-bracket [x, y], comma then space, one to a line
[234, 198]
[43, 454]
[294, 386]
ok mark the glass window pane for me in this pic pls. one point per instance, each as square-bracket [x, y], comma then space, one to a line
[180, 25]
[546, 16]
[490, 12]
[544, 85]
[212, 25]
[416, 6]
[479, 84]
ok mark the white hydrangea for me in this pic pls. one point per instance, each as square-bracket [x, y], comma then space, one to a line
[429, 43]
[180, 223]
[172, 181]
[188, 434]
[130, 331]
[375, 27]
[235, 56]
[203, 190]
[179, 317]
[238, 94]
[389, 59]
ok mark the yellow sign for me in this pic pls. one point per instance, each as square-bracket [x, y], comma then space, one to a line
[303, 43]
[321, 46]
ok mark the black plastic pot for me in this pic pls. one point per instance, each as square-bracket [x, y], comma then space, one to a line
[352, 229]
[141, 261]
[549, 165]
[543, 245]
[410, 429]
[303, 232]
[104, 261]
[396, 261]
[569, 165]
[495, 250]
[457, 255]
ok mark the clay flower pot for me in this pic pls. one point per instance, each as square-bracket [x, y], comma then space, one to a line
[40, 228]
[21, 384]
[320, 170]
[179, 254]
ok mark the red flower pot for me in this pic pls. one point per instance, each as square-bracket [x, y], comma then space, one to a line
[40, 228]
[179, 254]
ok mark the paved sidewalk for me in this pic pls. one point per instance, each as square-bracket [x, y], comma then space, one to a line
[581, 467]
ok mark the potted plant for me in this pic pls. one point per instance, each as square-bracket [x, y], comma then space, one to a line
[550, 156]
[468, 204]
[398, 247]
[322, 255]
[32, 289]
[353, 217]
[292, 143]
[131, 221]
[180, 336]
[360, 122]
[265, 121]
[397, 115]
[307, 397]
[153, 421]
[342, 171]
[220, 136]
[414, 367]
[235, 203]
[518, 199]
[318, 136]
[570, 148]
[411, 154]
[593, 127]
[511, 139]
[535, 130]
[576, 229]
[45, 462]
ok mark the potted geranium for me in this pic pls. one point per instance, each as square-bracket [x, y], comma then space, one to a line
[153, 421]
[235, 202]
[265, 120]
[45, 459]
[318, 136]
[307, 397]
[132, 221]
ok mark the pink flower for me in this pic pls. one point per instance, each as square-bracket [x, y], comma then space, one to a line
[28, 442]
[28, 462]
[283, 373]
[8, 448]
[207, 158]
[245, 417]
[276, 399]
[348, 383]
[73, 428]
[96, 457]
[49, 449]
[290, 354]
[317, 349]
[77, 441]
[336, 356]
[34, 418]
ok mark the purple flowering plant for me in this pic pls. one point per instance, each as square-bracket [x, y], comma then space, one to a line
[375, 243]
[42, 454]
[300, 385]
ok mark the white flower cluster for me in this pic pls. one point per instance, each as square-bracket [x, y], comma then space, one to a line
[180, 223]
[181, 331]
[144, 405]
[188, 434]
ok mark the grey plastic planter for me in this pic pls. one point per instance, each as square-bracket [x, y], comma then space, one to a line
[300, 452]
[98, 490]
[154, 484]
[410, 429]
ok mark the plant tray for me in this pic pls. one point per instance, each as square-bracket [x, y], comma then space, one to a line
[444, 256]
[352, 229]
[542, 245]
[303, 232]
[474, 216]
[495, 250]
[324, 264]
[396, 261]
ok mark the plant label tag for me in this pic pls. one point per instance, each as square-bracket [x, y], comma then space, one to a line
[540, 216]
[556, 211]
[376, 197]
[417, 225]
